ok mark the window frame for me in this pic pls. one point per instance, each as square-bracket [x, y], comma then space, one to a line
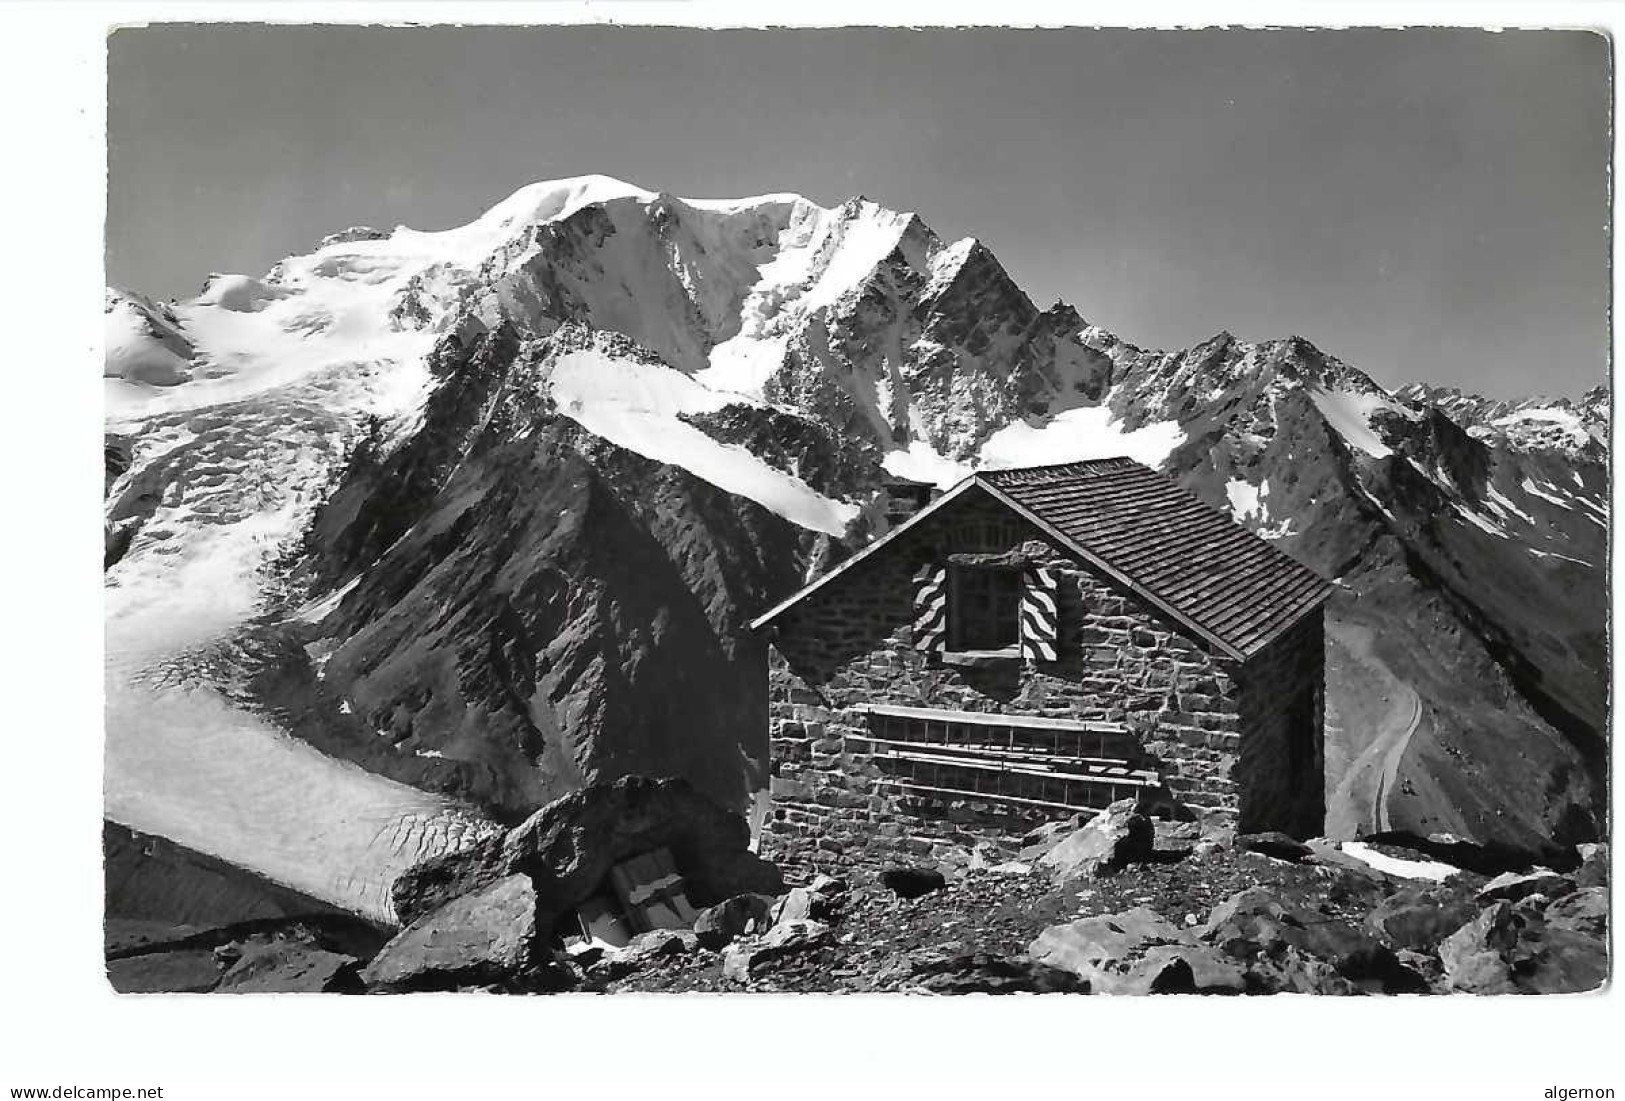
[1012, 576]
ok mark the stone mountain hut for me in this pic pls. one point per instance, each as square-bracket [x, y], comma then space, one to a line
[1041, 641]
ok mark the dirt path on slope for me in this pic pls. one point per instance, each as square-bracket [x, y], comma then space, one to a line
[1375, 717]
[1389, 774]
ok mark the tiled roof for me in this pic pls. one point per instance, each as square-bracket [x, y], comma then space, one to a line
[1168, 546]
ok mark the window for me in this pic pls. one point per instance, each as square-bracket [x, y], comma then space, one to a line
[984, 608]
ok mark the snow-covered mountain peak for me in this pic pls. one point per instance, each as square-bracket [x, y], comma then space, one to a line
[554, 200]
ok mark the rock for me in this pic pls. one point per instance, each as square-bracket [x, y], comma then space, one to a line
[1276, 844]
[1287, 946]
[1425, 964]
[1511, 948]
[738, 916]
[354, 233]
[1593, 869]
[1473, 970]
[489, 936]
[827, 885]
[743, 959]
[583, 955]
[988, 854]
[1218, 827]
[1491, 859]
[183, 971]
[287, 966]
[906, 881]
[1561, 961]
[1135, 952]
[800, 904]
[981, 973]
[1419, 917]
[1511, 886]
[1110, 841]
[1583, 911]
[1175, 837]
[953, 862]
[1327, 854]
[1475, 956]
[642, 949]
[1036, 842]
[1189, 969]
[568, 847]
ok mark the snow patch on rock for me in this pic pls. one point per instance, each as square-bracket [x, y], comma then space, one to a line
[921, 462]
[1349, 413]
[135, 355]
[1249, 505]
[1434, 870]
[1087, 432]
[637, 406]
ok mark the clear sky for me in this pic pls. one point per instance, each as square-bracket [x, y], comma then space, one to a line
[1424, 204]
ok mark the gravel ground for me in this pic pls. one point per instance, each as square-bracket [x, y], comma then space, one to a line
[884, 943]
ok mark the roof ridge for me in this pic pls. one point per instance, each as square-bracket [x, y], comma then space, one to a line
[1065, 462]
[1108, 461]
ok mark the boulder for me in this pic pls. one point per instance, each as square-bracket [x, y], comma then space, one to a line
[908, 881]
[489, 936]
[281, 965]
[802, 903]
[1036, 842]
[1418, 917]
[1276, 844]
[1135, 952]
[642, 949]
[828, 886]
[1475, 956]
[1116, 837]
[819, 900]
[1511, 886]
[738, 916]
[1561, 961]
[743, 959]
[180, 971]
[1189, 969]
[1513, 948]
[1175, 837]
[568, 847]
[1288, 946]
[1483, 859]
[1593, 869]
[1583, 911]
[981, 973]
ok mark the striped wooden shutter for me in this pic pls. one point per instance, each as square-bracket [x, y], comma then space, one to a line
[931, 608]
[1040, 585]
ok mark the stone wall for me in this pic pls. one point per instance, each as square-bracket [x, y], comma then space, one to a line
[1281, 772]
[851, 644]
